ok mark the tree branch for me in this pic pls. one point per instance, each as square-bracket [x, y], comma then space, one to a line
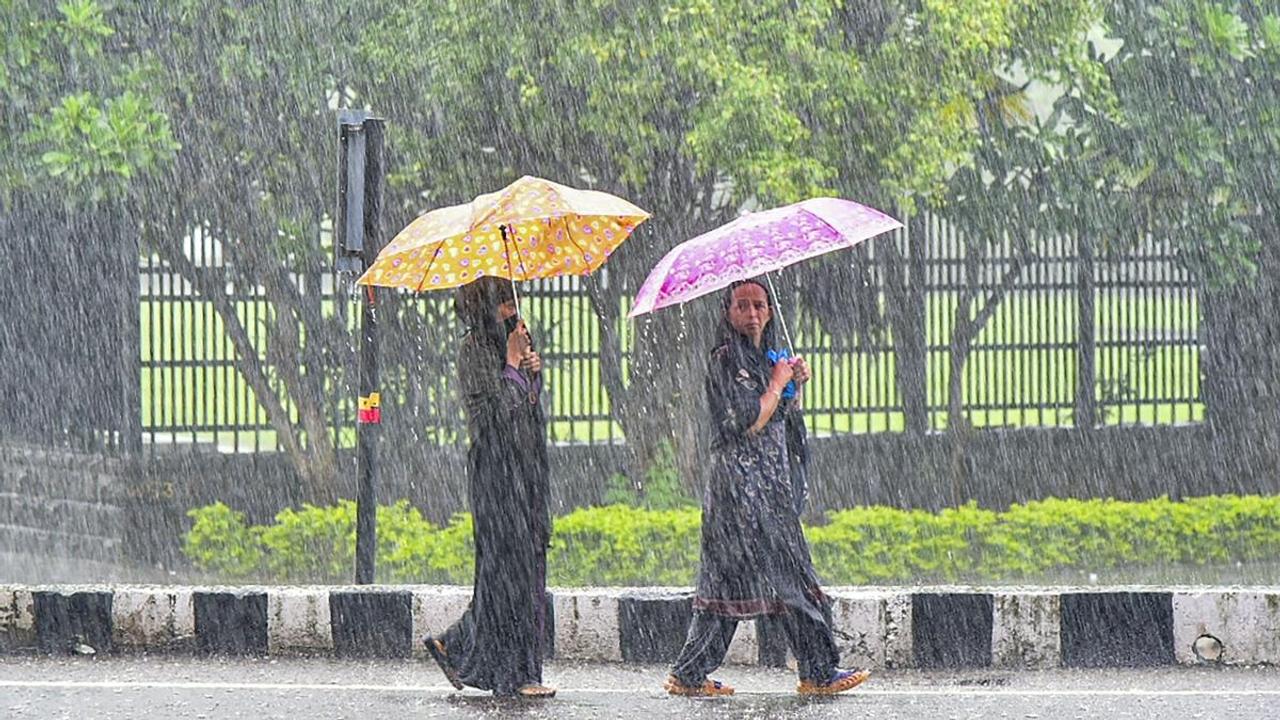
[247, 360]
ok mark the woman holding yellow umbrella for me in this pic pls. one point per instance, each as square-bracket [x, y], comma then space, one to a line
[531, 229]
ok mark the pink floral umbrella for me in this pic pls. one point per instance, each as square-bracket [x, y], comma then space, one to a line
[757, 244]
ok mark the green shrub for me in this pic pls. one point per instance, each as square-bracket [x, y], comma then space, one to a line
[452, 555]
[622, 545]
[311, 544]
[220, 542]
[880, 544]
[626, 545]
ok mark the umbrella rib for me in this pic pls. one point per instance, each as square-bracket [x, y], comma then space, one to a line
[487, 217]
[515, 243]
[581, 250]
[430, 264]
[826, 222]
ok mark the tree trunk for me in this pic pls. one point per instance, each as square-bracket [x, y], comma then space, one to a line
[318, 476]
[905, 307]
[662, 399]
[1241, 365]
[964, 331]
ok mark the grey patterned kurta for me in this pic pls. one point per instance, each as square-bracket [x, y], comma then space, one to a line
[755, 560]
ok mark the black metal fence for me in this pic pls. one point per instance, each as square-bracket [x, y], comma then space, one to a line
[1074, 334]
[1070, 330]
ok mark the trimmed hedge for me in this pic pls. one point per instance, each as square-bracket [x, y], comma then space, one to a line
[624, 545]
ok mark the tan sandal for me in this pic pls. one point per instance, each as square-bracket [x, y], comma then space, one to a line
[709, 688]
[536, 690]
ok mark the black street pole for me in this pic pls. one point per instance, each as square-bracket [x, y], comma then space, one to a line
[359, 230]
[370, 416]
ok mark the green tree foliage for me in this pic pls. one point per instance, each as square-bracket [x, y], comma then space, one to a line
[1192, 156]
[217, 117]
[697, 109]
[78, 117]
[183, 119]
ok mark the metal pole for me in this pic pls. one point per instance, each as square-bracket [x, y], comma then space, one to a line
[129, 312]
[369, 427]
[515, 295]
[781, 317]
[507, 245]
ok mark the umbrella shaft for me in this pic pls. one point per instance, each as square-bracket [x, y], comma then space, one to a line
[511, 272]
[781, 318]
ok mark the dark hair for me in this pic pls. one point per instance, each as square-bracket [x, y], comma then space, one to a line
[476, 304]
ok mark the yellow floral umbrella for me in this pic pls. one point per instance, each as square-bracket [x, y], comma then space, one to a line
[533, 228]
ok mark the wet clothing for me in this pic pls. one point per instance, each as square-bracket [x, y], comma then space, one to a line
[811, 643]
[755, 560]
[497, 645]
[797, 437]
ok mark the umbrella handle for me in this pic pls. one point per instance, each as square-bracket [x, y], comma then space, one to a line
[781, 317]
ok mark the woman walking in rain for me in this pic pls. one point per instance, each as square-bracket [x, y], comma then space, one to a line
[497, 645]
[755, 560]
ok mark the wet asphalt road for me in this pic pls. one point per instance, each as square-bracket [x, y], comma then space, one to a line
[294, 689]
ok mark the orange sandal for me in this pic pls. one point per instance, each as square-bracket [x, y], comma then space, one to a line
[841, 681]
[709, 688]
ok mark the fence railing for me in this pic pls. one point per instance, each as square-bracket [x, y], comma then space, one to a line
[1073, 329]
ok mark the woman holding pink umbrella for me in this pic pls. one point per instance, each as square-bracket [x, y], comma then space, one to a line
[755, 560]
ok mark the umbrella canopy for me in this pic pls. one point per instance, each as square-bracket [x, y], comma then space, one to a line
[756, 244]
[533, 228]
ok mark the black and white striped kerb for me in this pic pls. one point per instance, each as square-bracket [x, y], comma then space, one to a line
[73, 622]
[372, 624]
[549, 627]
[1117, 629]
[877, 628]
[652, 626]
[951, 630]
[231, 623]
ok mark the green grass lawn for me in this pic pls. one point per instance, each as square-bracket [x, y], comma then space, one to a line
[1140, 381]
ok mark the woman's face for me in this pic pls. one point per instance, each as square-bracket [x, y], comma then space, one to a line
[506, 310]
[749, 311]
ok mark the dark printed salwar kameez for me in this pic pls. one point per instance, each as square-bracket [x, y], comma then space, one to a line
[497, 645]
[755, 560]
